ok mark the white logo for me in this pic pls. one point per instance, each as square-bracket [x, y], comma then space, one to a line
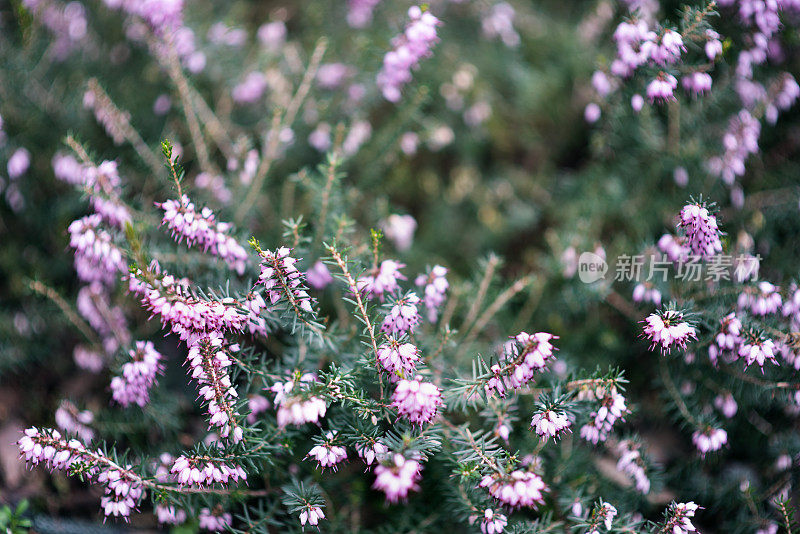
[591, 267]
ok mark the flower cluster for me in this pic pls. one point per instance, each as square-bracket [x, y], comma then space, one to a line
[280, 277]
[328, 454]
[680, 518]
[522, 356]
[187, 316]
[169, 515]
[123, 489]
[668, 329]
[74, 421]
[632, 464]
[516, 489]
[416, 400]
[410, 47]
[208, 360]
[398, 358]
[612, 408]
[295, 408]
[97, 258]
[312, 515]
[370, 452]
[702, 232]
[727, 340]
[755, 348]
[491, 522]
[645, 292]
[216, 520]
[604, 513]
[436, 285]
[403, 317]
[763, 299]
[138, 375]
[709, 439]
[201, 228]
[397, 476]
[194, 471]
[382, 280]
[550, 423]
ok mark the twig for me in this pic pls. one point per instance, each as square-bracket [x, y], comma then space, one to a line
[490, 312]
[65, 308]
[494, 261]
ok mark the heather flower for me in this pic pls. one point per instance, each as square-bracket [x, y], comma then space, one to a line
[679, 520]
[257, 405]
[359, 12]
[311, 516]
[398, 359]
[216, 520]
[281, 278]
[97, 258]
[333, 75]
[592, 113]
[272, 35]
[661, 89]
[294, 408]
[667, 49]
[327, 454]
[123, 489]
[499, 22]
[382, 280]
[645, 292]
[710, 439]
[436, 286]
[208, 361]
[202, 228]
[170, 515]
[755, 349]
[680, 176]
[87, 359]
[138, 375]
[320, 138]
[701, 229]
[637, 103]
[371, 452]
[109, 321]
[251, 89]
[399, 229]
[632, 464]
[522, 357]
[697, 82]
[205, 471]
[763, 299]
[668, 329]
[491, 522]
[726, 404]
[18, 163]
[740, 140]
[74, 421]
[675, 248]
[713, 46]
[403, 317]
[550, 423]
[409, 48]
[397, 476]
[516, 489]
[727, 340]
[601, 422]
[416, 400]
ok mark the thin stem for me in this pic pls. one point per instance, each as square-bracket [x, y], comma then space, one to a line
[66, 309]
[496, 306]
[675, 394]
[491, 266]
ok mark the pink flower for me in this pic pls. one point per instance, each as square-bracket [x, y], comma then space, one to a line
[525, 355]
[399, 229]
[397, 477]
[18, 163]
[631, 463]
[327, 454]
[370, 453]
[318, 276]
[517, 489]
[764, 299]
[697, 82]
[282, 279]
[492, 522]
[726, 404]
[668, 329]
[398, 358]
[293, 406]
[382, 280]
[727, 340]
[592, 113]
[251, 89]
[637, 103]
[436, 286]
[757, 350]
[414, 44]
[204, 471]
[709, 440]
[170, 515]
[550, 423]
[138, 375]
[661, 89]
[74, 421]
[645, 292]
[216, 521]
[312, 515]
[668, 48]
[702, 231]
[416, 400]
[679, 518]
[403, 317]
[601, 422]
